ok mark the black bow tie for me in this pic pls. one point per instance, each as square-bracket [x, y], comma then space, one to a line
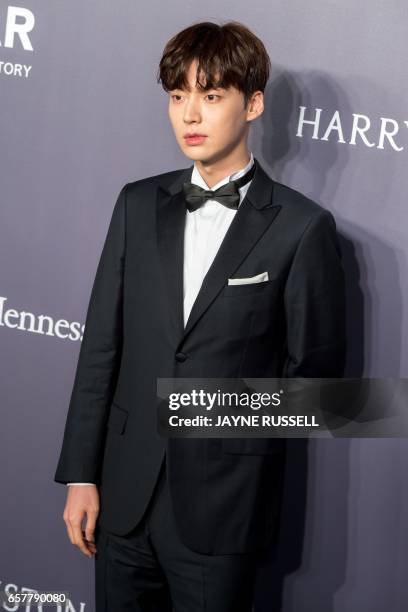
[228, 194]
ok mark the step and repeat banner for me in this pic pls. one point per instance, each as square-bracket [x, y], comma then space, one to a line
[82, 114]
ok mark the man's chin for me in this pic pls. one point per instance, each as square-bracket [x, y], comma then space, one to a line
[195, 154]
[198, 154]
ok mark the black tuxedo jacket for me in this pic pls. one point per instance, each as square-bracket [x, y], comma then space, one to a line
[225, 492]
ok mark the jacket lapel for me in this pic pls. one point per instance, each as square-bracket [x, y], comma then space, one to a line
[253, 218]
[171, 213]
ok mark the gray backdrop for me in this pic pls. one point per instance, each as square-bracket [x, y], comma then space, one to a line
[82, 114]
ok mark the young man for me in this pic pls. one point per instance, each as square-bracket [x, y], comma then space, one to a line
[179, 523]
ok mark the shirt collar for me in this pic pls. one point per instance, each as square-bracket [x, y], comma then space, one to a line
[197, 179]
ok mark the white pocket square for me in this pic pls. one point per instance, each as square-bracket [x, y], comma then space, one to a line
[259, 278]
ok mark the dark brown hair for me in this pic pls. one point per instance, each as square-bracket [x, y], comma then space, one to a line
[231, 51]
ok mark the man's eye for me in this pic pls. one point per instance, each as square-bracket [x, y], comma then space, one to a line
[176, 96]
[213, 96]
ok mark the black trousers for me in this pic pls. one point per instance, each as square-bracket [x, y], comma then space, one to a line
[151, 570]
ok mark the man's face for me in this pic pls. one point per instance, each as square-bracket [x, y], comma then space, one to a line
[217, 114]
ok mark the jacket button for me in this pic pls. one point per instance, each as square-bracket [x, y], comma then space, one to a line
[181, 357]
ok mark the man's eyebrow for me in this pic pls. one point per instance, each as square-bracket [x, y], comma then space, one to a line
[218, 88]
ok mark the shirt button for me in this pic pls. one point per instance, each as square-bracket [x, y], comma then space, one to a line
[181, 357]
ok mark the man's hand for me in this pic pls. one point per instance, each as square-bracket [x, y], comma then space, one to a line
[82, 501]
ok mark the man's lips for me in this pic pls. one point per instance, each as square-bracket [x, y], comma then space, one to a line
[194, 138]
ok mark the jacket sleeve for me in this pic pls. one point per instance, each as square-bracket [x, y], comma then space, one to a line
[315, 303]
[98, 361]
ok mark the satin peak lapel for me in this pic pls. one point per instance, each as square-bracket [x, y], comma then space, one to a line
[171, 214]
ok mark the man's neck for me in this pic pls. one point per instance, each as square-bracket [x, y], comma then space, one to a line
[213, 172]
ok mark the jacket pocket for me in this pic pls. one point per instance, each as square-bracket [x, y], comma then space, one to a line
[253, 446]
[117, 419]
[249, 288]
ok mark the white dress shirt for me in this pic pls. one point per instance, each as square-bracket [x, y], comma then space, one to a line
[205, 229]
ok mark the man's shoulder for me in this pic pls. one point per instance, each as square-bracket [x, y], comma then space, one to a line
[163, 179]
[295, 202]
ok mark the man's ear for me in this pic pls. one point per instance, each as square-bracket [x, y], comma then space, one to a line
[255, 106]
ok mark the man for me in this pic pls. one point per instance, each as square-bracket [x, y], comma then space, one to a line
[180, 522]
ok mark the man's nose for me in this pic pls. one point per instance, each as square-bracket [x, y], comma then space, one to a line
[192, 111]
